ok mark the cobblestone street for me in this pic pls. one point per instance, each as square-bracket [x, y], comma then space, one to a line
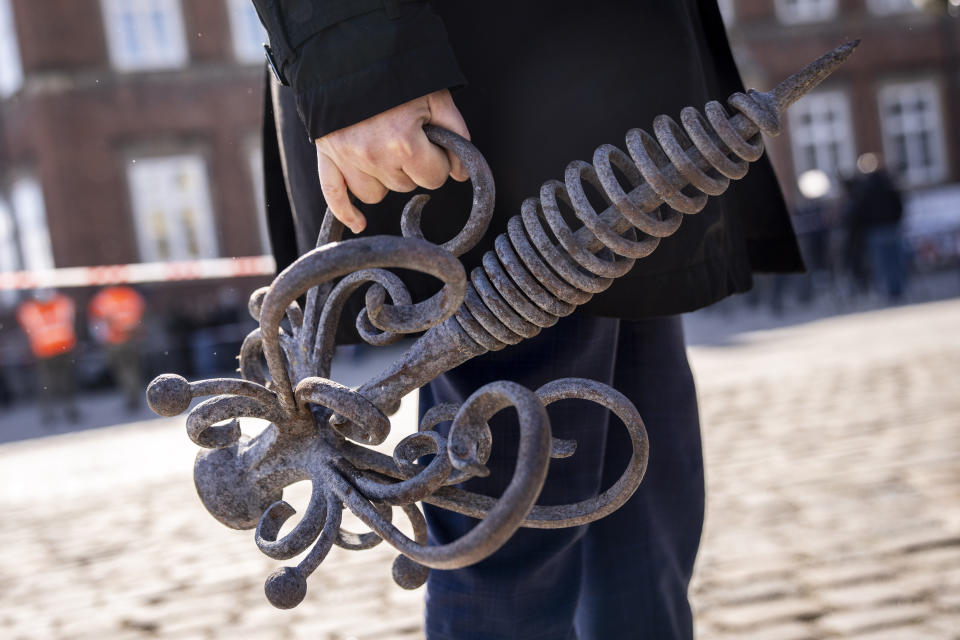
[833, 470]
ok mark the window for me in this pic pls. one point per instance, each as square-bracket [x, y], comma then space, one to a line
[913, 131]
[248, 34]
[255, 162]
[9, 252]
[889, 7]
[795, 11]
[171, 208]
[727, 11]
[145, 34]
[11, 73]
[24, 236]
[30, 217]
[821, 134]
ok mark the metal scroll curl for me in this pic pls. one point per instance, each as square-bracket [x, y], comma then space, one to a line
[539, 270]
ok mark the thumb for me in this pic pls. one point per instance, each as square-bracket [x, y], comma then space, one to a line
[444, 113]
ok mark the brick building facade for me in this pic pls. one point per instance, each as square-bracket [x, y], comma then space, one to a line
[90, 106]
[898, 95]
[129, 132]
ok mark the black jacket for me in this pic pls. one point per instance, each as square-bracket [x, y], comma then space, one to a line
[539, 85]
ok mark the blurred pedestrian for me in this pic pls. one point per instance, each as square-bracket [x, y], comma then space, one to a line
[812, 224]
[115, 315]
[6, 396]
[854, 251]
[48, 319]
[875, 212]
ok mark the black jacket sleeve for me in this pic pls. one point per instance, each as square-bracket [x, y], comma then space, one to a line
[347, 60]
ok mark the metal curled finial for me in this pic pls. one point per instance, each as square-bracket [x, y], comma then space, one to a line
[539, 270]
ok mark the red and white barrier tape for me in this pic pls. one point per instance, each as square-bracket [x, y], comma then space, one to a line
[139, 272]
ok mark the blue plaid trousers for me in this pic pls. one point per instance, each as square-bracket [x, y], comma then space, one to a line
[625, 576]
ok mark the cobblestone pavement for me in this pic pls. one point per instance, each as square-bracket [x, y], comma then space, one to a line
[833, 512]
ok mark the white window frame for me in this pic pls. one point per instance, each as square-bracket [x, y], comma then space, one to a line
[247, 33]
[727, 11]
[891, 7]
[171, 207]
[829, 137]
[30, 216]
[255, 165]
[134, 40]
[805, 11]
[9, 250]
[9, 247]
[912, 126]
[11, 69]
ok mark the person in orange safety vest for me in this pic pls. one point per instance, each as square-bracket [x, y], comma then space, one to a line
[48, 320]
[115, 316]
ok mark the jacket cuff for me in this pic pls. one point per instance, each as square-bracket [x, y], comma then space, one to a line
[358, 66]
[384, 84]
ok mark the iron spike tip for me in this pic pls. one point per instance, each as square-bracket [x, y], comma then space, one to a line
[804, 81]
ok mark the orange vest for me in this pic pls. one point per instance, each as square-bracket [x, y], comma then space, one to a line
[115, 313]
[49, 325]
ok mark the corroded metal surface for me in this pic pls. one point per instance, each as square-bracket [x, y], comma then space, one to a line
[539, 270]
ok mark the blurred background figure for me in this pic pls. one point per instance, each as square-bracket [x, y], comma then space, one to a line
[115, 316]
[856, 271]
[48, 319]
[873, 217]
[812, 222]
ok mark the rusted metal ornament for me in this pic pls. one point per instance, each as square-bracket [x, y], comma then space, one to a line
[320, 429]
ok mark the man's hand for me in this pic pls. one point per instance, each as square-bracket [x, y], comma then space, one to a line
[388, 152]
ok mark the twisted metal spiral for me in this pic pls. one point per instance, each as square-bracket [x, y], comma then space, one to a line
[529, 280]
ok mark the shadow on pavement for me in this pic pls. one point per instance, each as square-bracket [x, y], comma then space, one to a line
[724, 323]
